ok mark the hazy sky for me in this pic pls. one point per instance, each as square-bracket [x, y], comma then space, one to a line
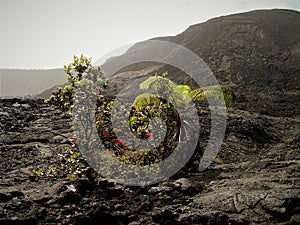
[47, 33]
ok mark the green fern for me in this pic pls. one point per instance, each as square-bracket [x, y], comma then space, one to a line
[182, 94]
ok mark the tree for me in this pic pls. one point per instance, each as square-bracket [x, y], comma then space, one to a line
[168, 95]
[85, 82]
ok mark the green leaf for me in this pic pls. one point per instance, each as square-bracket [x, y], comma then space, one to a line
[146, 99]
[181, 94]
[156, 82]
[225, 94]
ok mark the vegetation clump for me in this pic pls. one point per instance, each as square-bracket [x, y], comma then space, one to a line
[161, 103]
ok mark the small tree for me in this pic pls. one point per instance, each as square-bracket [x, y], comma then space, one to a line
[148, 105]
[81, 75]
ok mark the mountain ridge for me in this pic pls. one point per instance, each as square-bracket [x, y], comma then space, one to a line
[256, 53]
[25, 82]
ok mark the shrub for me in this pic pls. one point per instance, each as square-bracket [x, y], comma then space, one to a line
[80, 73]
[148, 106]
[162, 104]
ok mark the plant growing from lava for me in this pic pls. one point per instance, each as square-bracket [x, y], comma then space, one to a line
[81, 74]
[167, 97]
[162, 103]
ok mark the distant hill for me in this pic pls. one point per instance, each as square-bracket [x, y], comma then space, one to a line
[20, 82]
[257, 53]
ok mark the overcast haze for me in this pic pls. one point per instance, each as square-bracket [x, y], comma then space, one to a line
[47, 33]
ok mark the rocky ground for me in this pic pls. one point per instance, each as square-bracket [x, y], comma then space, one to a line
[255, 179]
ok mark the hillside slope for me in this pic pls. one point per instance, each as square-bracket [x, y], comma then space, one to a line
[256, 53]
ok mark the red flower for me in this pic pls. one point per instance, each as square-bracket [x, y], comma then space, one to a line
[118, 142]
[149, 134]
[105, 133]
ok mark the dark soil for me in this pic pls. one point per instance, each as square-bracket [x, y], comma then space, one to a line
[255, 179]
